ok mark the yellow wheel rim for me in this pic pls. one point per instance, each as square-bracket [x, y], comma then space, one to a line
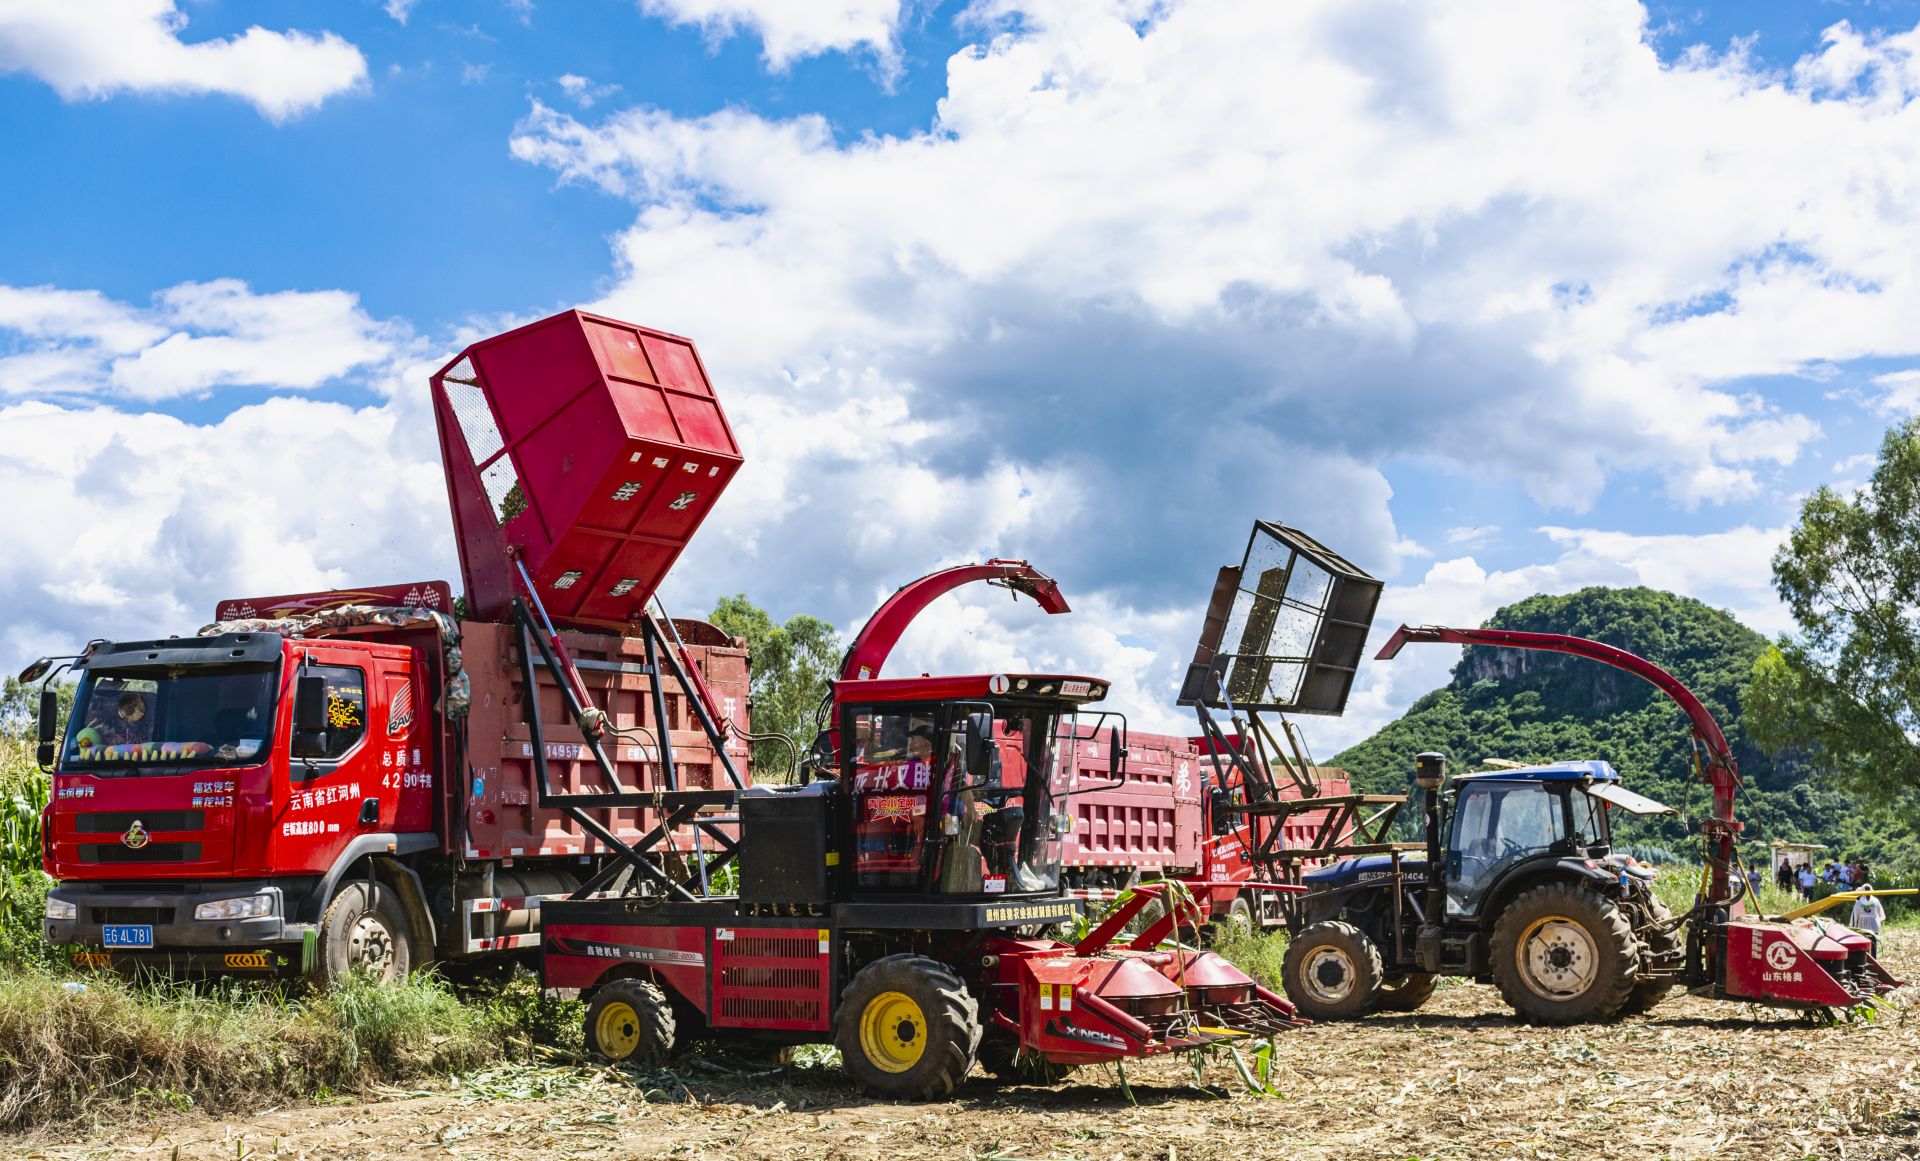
[617, 1030]
[893, 1032]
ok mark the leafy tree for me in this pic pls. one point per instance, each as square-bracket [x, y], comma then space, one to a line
[792, 667]
[1847, 692]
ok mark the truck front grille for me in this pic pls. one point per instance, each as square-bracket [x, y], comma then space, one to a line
[158, 916]
[121, 821]
[151, 853]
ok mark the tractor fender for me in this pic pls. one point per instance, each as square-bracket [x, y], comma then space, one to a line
[1598, 879]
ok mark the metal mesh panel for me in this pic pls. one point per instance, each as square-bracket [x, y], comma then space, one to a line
[469, 405]
[503, 489]
[463, 372]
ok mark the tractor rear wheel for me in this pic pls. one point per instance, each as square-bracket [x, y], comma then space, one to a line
[632, 1022]
[1564, 955]
[907, 1028]
[1647, 994]
[1000, 1057]
[1332, 971]
[1405, 993]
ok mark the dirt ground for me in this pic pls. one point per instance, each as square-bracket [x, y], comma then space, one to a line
[1459, 1079]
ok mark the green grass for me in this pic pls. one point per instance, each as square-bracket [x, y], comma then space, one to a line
[78, 1049]
[23, 887]
[1257, 953]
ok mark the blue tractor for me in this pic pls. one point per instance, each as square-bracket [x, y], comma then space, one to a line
[1531, 897]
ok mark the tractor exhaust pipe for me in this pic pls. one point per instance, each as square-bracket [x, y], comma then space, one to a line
[1429, 771]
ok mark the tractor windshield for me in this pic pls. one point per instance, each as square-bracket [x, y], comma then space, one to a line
[923, 821]
[1498, 824]
[142, 721]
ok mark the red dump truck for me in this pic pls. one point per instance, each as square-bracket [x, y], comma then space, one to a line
[353, 779]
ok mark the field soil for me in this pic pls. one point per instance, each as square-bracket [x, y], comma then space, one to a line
[1460, 1079]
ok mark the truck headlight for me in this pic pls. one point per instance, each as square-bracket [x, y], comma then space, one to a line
[61, 909]
[249, 907]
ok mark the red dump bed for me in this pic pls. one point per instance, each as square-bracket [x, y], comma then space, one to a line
[1153, 821]
[588, 450]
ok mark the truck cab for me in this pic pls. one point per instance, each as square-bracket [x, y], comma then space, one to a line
[195, 815]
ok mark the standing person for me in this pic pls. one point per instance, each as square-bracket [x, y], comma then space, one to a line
[1783, 877]
[1868, 914]
[1807, 881]
[1753, 881]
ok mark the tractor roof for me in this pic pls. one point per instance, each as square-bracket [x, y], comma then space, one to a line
[1556, 772]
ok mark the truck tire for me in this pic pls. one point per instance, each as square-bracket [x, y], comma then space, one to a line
[1564, 955]
[631, 1022]
[1240, 913]
[907, 1028]
[1000, 1058]
[1332, 972]
[365, 929]
[1647, 994]
[1405, 993]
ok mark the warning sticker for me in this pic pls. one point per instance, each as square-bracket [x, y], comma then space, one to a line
[826, 939]
[1066, 997]
[1046, 997]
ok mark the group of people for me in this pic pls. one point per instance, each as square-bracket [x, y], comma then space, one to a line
[1842, 876]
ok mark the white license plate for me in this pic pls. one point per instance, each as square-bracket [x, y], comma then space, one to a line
[127, 935]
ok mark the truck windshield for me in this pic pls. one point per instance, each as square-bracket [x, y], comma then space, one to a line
[141, 721]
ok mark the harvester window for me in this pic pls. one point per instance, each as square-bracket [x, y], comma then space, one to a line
[893, 768]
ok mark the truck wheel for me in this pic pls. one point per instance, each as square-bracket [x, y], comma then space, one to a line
[1564, 955]
[907, 1028]
[631, 1022]
[1000, 1057]
[1332, 971]
[1647, 994]
[1240, 913]
[365, 930]
[1405, 993]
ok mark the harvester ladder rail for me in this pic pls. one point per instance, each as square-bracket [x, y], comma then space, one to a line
[698, 697]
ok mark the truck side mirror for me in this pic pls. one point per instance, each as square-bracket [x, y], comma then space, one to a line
[49, 718]
[309, 704]
[309, 716]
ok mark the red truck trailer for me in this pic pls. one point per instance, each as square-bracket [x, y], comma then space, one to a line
[359, 779]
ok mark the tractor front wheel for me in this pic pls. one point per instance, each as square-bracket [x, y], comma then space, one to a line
[632, 1022]
[1332, 972]
[1564, 955]
[907, 1028]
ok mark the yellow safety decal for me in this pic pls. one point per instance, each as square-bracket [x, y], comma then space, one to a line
[833, 858]
[91, 959]
[1046, 997]
[248, 959]
[826, 939]
[1066, 997]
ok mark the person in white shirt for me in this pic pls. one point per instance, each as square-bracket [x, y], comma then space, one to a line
[1868, 914]
[1807, 881]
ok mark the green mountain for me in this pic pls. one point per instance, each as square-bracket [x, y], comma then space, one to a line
[1530, 707]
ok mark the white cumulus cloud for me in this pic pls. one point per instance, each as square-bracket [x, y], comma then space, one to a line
[790, 31]
[105, 47]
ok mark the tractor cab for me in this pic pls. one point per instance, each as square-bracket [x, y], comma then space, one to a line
[952, 786]
[1505, 824]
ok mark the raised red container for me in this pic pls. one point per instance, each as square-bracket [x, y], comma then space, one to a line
[588, 449]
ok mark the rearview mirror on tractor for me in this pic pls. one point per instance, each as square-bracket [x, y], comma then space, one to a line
[974, 740]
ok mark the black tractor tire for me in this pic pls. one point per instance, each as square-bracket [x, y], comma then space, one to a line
[1564, 955]
[1647, 994]
[907, 1028]
[1000, 1058]
[1405, 993]
[632, 1022]
[1332, 972]
[365, 929]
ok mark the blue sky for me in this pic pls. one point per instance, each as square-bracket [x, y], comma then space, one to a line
[1495, 297]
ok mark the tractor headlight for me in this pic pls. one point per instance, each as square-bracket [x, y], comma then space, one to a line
[250, 907]
[61, 909]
